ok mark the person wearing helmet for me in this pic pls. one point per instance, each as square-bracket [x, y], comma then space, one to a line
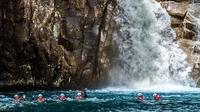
[40, 98]
[79, 96]
[140, 97]
[84, 93]
[17, 98]
[62, 97]
[156, 97]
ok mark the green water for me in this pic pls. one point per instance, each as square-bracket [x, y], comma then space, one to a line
[103, 101]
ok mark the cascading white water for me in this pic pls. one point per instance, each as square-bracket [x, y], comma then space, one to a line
[148, 54]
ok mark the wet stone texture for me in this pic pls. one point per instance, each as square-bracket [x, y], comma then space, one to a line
[185, 20]
[64, 44]
[55, 43]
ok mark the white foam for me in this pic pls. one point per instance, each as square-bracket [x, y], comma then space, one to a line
[148, 56]
[165, 88]
[169, 88]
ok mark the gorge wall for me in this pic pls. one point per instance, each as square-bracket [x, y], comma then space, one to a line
[54, 43]
[185, 16]
[68, 43]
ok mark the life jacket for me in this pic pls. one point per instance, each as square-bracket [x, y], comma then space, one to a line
[79, 97]
[62, 98]
[41, 99]
[140, 98]
[157, 97]
[18, 99]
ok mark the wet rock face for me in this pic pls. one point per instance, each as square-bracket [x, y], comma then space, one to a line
[55, 43]
[177, 9]
[185, 19]
[184, 15]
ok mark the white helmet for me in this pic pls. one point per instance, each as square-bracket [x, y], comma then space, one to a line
[139, 94]
[155, 94]
[16, 95]
[79, 94]
[40, 95]
[62, 94]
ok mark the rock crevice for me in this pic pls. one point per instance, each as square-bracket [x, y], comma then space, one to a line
[55, 43]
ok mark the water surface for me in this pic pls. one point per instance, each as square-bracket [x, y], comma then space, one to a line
[105, 100]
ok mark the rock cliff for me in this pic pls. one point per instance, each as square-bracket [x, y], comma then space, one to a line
[67, 43]
[55, 43]
[185, 20]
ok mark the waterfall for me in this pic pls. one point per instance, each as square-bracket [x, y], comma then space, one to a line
[148, 53]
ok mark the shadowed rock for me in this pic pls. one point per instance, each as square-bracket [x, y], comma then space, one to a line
[54, 43]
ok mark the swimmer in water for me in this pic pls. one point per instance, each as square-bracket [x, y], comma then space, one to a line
[156, 97]
[84, 93]
[140, 97]
[62, 97]
[79, 96]
[17, 98]
[40, 98]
